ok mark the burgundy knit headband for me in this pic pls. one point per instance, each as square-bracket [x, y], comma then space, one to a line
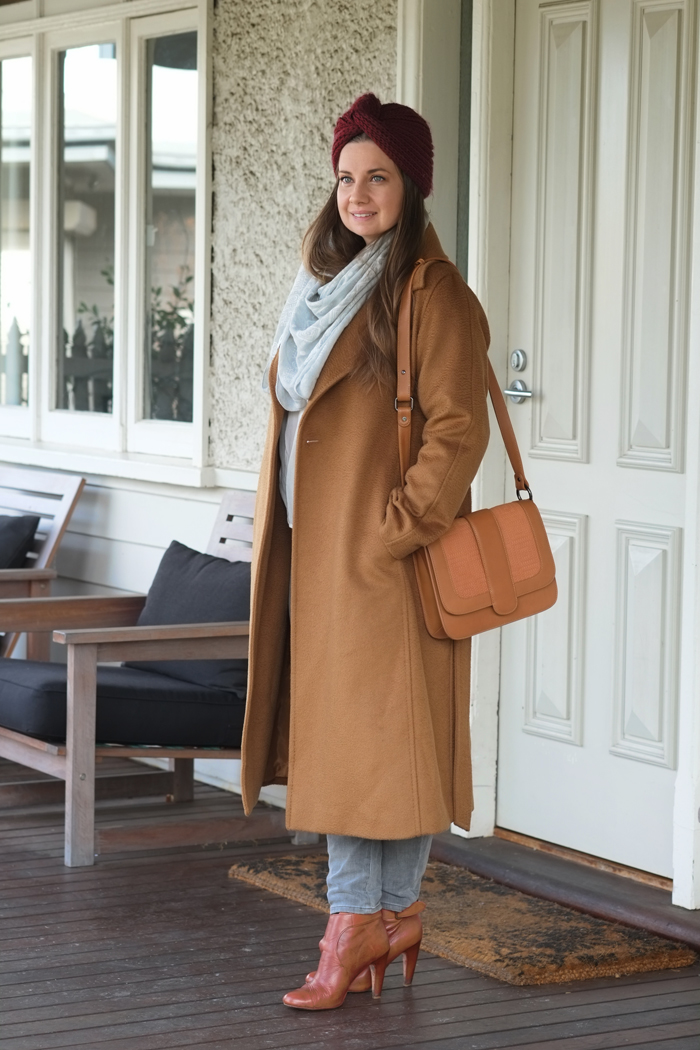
[398, 130]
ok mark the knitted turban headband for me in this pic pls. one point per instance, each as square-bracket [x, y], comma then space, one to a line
[398, 130]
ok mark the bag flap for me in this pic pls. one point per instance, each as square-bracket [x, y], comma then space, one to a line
[472, 570]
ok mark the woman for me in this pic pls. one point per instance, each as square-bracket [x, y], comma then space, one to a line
[350, 701]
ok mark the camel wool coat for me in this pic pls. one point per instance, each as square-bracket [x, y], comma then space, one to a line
[355, 706]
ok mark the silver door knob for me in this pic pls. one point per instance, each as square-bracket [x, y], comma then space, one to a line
[517, 392]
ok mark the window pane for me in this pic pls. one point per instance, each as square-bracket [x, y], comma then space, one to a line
[170, 226]
[85, 265]
[15, 260]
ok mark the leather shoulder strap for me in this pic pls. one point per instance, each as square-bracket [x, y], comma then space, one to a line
[404, 401]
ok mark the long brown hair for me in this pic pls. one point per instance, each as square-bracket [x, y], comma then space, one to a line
[328, 247]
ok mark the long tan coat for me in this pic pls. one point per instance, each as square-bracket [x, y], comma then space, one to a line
[368, 723]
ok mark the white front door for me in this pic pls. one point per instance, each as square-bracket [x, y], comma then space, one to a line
[599, 304]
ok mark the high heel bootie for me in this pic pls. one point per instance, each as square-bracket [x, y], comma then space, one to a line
[350, 945]
[405, 932]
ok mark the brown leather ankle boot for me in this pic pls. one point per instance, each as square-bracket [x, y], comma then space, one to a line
[405, 932]
[350, 944]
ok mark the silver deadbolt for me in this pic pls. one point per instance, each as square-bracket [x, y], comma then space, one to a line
[517, 392]
[518, 360]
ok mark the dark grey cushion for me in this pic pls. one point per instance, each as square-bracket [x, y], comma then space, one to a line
[190, 587]
[133, 707]
[16, 536]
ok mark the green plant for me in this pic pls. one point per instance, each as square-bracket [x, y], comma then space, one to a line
[102, 342]
[171, 324]
[171, 319]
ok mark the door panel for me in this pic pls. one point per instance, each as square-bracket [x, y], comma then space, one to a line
[562, 177]
[589, 690]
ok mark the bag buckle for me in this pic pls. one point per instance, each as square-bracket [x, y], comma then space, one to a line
[396, 404]
[526, 489]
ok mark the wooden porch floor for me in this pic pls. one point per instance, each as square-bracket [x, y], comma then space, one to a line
[161, 949]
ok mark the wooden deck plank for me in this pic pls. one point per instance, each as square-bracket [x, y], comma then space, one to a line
[198, 999]
[84, 986]
[157, 950]
[213, 1041]
[78, 982]
[518, 1006]
[668, 1037]
[265, 1027]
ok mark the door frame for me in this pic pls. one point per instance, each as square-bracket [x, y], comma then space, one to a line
[493, 40]
[429, 69]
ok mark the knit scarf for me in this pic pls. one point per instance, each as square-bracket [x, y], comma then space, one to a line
[314, 316]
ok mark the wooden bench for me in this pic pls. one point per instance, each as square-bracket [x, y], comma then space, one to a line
[102, 629]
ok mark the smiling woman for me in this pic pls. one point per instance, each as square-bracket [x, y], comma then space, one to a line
[350, 701]
[372, 197]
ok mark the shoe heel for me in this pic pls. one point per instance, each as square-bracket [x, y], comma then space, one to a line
[378, 969]
[410, 958]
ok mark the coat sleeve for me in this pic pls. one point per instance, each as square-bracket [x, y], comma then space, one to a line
[451, 383]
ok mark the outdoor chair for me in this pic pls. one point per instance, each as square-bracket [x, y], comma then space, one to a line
[49, 499]
[180, 696]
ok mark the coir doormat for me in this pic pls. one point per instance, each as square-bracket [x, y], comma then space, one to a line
[492, 929]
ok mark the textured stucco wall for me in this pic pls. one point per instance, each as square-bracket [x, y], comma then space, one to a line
[283, 72]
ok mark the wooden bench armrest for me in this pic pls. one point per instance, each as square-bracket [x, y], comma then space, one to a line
[21, 575]
[44, 614]
[196, 641]
[147, 633]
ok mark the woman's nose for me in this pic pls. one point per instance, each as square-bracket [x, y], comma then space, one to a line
[358, 195]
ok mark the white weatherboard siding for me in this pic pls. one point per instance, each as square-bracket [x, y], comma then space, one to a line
[119, 531]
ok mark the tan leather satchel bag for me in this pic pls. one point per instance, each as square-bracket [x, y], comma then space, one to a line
[493, 566]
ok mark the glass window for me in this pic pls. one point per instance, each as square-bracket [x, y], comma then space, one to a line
[170, 226]
[87, 97]
[15, 259]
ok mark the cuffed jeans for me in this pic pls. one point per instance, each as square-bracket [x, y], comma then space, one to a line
[365, 875]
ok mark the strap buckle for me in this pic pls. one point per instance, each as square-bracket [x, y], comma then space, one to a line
[526, 489]
[396, 404]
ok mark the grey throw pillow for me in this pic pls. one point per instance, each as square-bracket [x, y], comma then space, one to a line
[190, 587]
[16, 537]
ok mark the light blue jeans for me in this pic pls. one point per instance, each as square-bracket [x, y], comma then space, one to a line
[365, 875]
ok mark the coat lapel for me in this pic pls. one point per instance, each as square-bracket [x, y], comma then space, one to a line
[342, 359]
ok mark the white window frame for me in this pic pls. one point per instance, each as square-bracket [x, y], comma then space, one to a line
[122, 443]
[16, 420]
[59, 426]
[152, 435]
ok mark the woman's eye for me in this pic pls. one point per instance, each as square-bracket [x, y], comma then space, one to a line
[345, 179]
[377, 178]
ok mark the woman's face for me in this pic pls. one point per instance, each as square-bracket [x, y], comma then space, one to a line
[370, 190]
